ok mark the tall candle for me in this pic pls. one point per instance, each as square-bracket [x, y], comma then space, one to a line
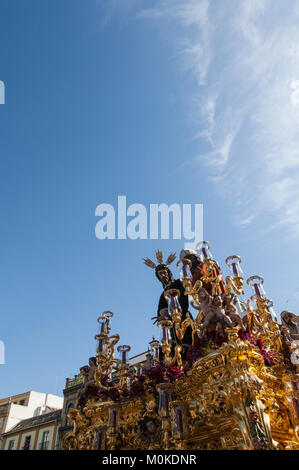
[164, 400]
[235, 269]
[165, 333]
[99, 441]
[172, 302]
[186, 271]
[102, 346]
[257, 290]
[124, 357]
[113, 418]
[179, 420]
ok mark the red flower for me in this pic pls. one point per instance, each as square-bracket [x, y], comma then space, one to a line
[113, 393]
[259, 344]
[136, 387]
[174, 372]
[242, 334]
[157, 374]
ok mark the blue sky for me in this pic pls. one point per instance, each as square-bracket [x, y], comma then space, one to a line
[161, 101]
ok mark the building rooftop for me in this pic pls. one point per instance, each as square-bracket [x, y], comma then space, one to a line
[35, 421]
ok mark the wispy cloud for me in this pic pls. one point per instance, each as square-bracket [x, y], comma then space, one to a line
[244, 58]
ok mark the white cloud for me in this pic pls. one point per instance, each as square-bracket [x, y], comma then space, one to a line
[244, 57]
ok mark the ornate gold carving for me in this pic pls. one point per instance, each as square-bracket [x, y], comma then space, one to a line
[240, 395]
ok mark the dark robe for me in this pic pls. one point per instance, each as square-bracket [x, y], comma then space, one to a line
[184, 303]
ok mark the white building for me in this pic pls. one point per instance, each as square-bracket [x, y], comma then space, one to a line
[26, 405]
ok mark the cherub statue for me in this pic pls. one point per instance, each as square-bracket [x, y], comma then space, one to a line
[289, 326]
[231, 310]
[215, 315]
[205, 300]
[290, 333]
[88, 376]
[294, 356]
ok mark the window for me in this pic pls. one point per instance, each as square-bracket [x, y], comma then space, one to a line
[27, 443]
[45, 441]
[22, 402]
[68, 407]
[11, 445]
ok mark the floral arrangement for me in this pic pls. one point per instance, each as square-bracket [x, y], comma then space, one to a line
[270, 358]
[160, 373]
